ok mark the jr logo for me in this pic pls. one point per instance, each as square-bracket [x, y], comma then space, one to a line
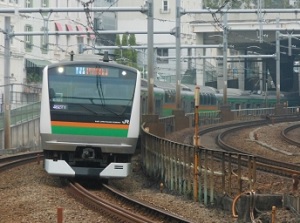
[126, 121]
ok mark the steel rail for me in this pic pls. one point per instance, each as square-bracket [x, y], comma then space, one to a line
[264, 164]
[284, 136]
[9, 162]
[117, 212]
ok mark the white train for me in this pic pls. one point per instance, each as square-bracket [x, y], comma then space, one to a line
[90, 118]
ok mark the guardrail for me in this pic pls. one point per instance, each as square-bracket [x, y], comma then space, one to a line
[173, 164]
[24, 128]
[22, 114]
[215, 117]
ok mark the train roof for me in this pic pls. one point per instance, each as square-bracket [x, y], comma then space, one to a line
[184, 87]
[203, 89]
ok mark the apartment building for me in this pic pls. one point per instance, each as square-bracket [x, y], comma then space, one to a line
[30, 53]
[164, 20]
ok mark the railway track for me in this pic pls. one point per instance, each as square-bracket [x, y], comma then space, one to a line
[123, 209]
[9, 162]
[284, 135]
[119, 206]
[262, 163]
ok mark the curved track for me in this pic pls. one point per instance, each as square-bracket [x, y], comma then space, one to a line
[10, 162]
[284, 134]
[120, 207]
[263, 163]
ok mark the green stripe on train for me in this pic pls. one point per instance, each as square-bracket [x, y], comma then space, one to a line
[89, 131]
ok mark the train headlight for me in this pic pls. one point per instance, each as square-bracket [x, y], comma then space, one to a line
[124, 73]
[60, 70]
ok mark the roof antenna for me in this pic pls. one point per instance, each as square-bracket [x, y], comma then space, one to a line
[105, 57]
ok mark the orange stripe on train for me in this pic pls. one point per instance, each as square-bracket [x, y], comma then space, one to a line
[90, 125]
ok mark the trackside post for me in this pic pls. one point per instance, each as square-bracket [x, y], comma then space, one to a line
[196, 143]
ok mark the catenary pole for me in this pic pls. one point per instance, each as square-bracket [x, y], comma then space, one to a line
[150, 58]
[178, 64]
[277, 64]
[7, 137]
[225, 29]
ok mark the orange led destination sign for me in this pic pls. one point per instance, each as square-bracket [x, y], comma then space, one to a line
[92, 71]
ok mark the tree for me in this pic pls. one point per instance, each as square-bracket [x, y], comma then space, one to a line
[126, 56]
[132, 52]
[118, 51]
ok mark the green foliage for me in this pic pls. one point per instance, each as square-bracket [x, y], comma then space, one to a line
[118, 43]
[126, 56]
[33, 78]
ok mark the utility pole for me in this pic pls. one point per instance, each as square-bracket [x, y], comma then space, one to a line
[150, 59]
[225, 58]
[277, 64]
[178, 62]
[7, 138]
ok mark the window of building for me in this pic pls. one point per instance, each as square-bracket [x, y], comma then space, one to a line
[13, 1]
[162, 52]
[80, 40]
[165, 7]
[28, 38]
[28, 4]
[45, 3]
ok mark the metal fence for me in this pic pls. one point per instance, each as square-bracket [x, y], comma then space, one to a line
[172, 163]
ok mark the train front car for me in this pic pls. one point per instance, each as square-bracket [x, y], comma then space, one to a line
[90, 119]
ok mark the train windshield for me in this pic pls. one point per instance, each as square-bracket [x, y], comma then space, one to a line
[91, 90]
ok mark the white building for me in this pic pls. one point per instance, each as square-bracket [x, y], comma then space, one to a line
[29, 54]
[164, 20]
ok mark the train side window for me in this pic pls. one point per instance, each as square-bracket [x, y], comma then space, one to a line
[144, 105]
[214, 100]
[205, 99]
[209, 99]
[192, 105]
[201, 99]
[157, 106]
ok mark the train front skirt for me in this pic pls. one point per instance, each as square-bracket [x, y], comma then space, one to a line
[62, 168]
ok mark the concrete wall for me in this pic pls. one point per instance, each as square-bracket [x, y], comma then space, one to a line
[24, 136]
